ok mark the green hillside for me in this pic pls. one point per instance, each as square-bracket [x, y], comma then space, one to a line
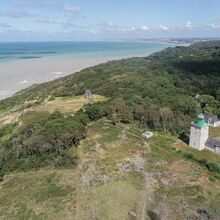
[64, 155]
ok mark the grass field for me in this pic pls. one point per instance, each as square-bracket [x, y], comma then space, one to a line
[67, 104]
[38, 195]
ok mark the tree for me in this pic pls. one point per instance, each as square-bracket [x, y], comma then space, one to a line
[153, 116]
[166, 116]
[96, 111]
[119, 111]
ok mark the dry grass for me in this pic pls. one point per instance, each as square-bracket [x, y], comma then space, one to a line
[61, 104]
[113, 200]
[38, 195]
[67, 104]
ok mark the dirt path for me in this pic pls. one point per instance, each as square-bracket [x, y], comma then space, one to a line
[147, 196]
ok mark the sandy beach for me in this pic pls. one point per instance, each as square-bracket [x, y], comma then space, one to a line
[22, 74]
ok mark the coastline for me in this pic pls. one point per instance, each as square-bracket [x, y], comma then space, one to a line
[22, 74]
[19, 74]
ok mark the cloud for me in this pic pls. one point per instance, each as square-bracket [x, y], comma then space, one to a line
[109, 24]
[57, 6]
[145, 28]
[215, 24]
[163, 28]
[188, 25]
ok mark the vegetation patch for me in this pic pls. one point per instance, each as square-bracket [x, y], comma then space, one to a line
[38, 195]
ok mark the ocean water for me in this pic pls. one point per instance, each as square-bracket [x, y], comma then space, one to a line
[36, 50]
[25, 63]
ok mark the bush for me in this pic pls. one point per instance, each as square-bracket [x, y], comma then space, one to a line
[189, 155]
[212, 167]
[153, 215]
[96, 111]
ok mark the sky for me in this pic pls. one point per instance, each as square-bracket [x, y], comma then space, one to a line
[56, 20]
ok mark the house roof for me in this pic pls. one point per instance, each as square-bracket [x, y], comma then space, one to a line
[147, 133]
[213, 143]
[211, 118]
[88, 92]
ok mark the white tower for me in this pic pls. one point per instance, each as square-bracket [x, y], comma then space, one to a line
[199, 133]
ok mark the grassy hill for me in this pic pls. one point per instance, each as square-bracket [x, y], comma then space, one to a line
[119, 176]
[64, 155]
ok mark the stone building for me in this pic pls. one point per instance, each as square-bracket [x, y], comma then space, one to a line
[199, 136]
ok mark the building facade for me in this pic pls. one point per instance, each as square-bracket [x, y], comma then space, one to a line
[212, 120]
[199, 136]
[199, 133]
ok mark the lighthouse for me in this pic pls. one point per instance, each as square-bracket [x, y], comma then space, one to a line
[199, 133]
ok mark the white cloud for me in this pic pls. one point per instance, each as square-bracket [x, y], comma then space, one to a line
[109, 24]
[163, 28]
[188, 25]
[145, 28]
[215, 24]
[127, 29]
[133, 29]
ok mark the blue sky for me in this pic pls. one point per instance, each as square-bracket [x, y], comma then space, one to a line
[33, 20]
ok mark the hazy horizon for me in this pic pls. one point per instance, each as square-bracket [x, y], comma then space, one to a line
[74, 20]
[113, 40]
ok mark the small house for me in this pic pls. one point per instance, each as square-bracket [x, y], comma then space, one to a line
[213, 144]
[212, 120]
[88, 94]
[147, 134]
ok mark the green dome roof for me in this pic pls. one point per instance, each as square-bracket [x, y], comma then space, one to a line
[200, 120]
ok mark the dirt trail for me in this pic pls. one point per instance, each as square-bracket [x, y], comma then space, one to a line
[147, 196]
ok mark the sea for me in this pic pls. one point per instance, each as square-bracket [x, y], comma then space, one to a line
[15, 73]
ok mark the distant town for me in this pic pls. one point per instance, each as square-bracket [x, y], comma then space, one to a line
[183, 41]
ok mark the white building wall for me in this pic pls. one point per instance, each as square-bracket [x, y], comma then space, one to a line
[198, 136]
[216, 124]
